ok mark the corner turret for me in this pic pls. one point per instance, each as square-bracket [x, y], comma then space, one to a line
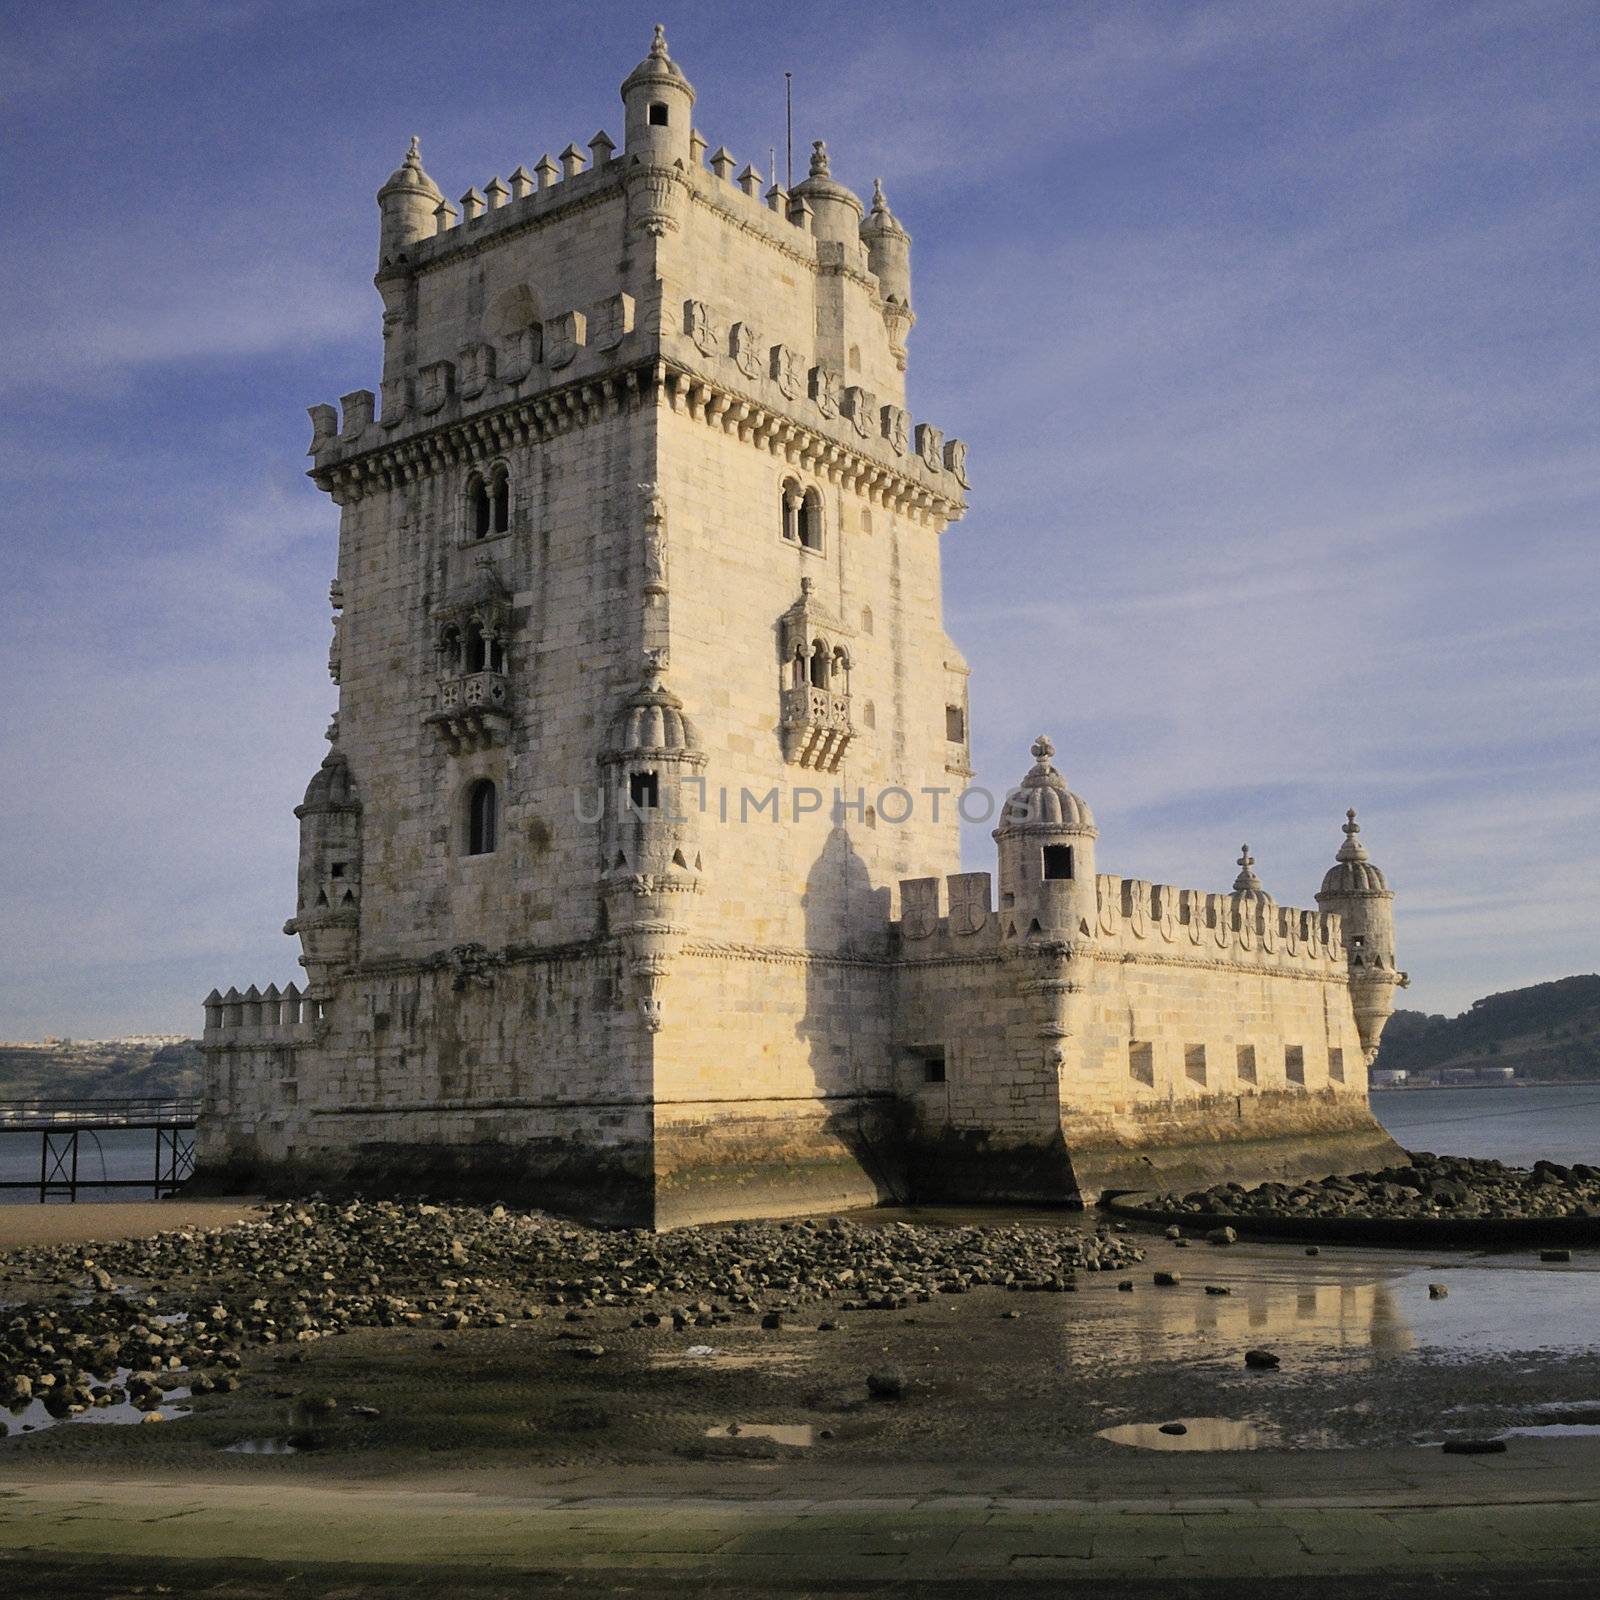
[889, 259]
[1046, 843]
[406, 205]
[658, 102]
[328, 902]
[836, 211]
[1357, 890]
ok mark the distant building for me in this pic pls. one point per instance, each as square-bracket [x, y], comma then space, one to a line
[1389, 1077]
[643, 532]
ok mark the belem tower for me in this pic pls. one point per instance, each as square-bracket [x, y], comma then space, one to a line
[620, 888]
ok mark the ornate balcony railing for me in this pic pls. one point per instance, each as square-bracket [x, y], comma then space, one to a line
[473, 709]
[816, 727]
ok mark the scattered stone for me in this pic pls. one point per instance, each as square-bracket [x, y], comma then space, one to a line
[1126, 1286]
[773, 1319]
[1438, 1291]
[1474, 1447]
[1173, 1428]
[1264, 1360]
[1174, 1232]
[365, 1411]
[1010, 1316]
[1167, 1280]
[1221, 1236]
[1555, 1255]
[589, 1352]
[1313, 1250]
[1217, 1288]
[886, 1383]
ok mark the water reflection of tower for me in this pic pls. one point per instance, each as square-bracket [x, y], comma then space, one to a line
[1352, 1316]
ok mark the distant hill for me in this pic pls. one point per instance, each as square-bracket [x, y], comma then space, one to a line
[102, 1069]
[1549, 1030]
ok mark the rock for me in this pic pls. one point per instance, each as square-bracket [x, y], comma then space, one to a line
[1173, 1428]
[1555, 1255]
[773, 1319]
[588, 1352]
[1217, 1288]
[1263, 1360]
[1174, 1232]
[1167, 1280]
[1221, 1236]
[1474, 1447]
[886, 1383]
[1313, 1250]
[1438, 1291]
[1009, 1316]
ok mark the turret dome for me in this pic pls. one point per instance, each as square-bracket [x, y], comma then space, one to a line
[1352, 872]
[1247, 882]
[657, 68]
[331, 788]
[653, 723]
[1042, 802]
[881, 220]
[409, 177]
[821, 187]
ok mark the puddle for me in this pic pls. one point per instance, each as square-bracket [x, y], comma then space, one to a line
[261, 1447]
[1500, 1308]
[33, 1418]
[732, 1360]
[1554, 1430]
[799, 1433]
[1200, 1433]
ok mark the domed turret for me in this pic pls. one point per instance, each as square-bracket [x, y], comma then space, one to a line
[328, 898]
[406, 205]
[836, 210]
[1046, 841]
[651, 833]
[888, 250]
[1247, 883]
[658, 103]
[1356, 889]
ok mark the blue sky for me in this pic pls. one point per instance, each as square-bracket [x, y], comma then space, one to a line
[1272, 328]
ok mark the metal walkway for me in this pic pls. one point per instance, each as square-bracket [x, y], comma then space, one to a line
[59, 1126]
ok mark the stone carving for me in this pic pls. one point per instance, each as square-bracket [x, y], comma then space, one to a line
[396, 401]
[955, 461]
[324, 428]
[612, 321]
[919, 907]
[930, 446]
[653, 202]
[825, 390]
[703, 327]
[477, 369]
[860, 406]
[746, 346]
[358, 408]
[655, 540]
[524, 349]
[969, 902]
[787, 372]
[471, 967]
[434, 385]
[896, 426]
[565, 337]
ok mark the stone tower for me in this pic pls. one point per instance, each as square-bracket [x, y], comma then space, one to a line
[639, 613]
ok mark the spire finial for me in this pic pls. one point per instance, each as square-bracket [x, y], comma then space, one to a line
[1247, 882]
[1351, 826]
[1352, 849]
[819, 158]
[1043, 748]
[878, 201]
[414, 152]
[658, 45]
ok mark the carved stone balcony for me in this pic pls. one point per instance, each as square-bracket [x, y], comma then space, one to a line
[473, 710]
[816, 727]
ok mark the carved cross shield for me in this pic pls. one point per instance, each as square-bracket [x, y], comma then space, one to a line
[969, 902]
[919, 907]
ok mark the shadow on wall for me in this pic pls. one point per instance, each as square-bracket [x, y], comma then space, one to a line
[847, 1026]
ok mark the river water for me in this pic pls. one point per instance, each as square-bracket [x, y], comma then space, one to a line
[1518, 1126]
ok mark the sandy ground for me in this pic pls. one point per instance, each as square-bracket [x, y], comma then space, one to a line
[133, 1219]
[501, 1455]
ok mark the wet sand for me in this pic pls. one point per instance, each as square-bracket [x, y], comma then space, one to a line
[132, 1219]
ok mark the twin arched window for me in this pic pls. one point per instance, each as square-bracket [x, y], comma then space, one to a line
[471, 650]
[483, 818]
[489, 503]
[802, 515]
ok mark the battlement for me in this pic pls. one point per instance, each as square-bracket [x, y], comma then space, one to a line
[286, 1016]
[1134, 916]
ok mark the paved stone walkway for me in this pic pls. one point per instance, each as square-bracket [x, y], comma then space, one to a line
[1534, 1510]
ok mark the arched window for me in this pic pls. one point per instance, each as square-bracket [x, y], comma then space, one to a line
[450, 649]
[483, 651]
[866, 619]
[790, 509]
[811, 520]
[502, 501]
[819, 665]
[483, 818]
[855, 358]
[480, 513]
[869, 715]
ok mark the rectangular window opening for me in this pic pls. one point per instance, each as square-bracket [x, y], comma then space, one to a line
[1336, 1065]
[933, 1069]
[955, 724]
[1057, 863]
[1294, 1063]
[1194, 1063]
[1142, 1062]
[644, 791]
[1246, 1063]
[336, 869]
